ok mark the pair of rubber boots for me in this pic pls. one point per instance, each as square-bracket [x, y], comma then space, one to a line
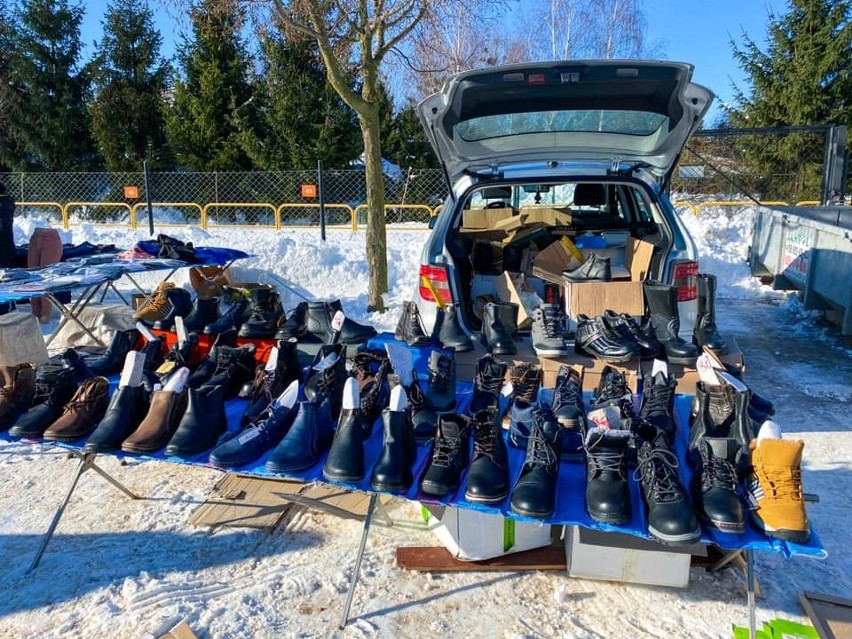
[312, 321]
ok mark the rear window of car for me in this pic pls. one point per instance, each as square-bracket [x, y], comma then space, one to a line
[633, 123]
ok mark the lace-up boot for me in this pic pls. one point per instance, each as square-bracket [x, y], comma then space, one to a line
[179, 356]
[238, 311]
[613, 391]
[126, 410]
[534, 493]
[308, 438]
[203, 423]
[594, 339]
[662, 304]
[16, 393]
[487, 384]
[658, 403]
[266, 311]
[204, 371]
[714, 483]
[448, 331]
[158, 426]
[705, 332]
[203, 313]
[570, 412]
[73, 360]
[371, 368]
[269, 384]
[500, 327]
[488, 477]
[410, 329]
[625, 326]
[548, 331]
[450, 454]
[440, 394]
[775, 489]
[234, 367]
[295, 325]
[719, 411]
[54, 388]
[671, 519]
[156, 305]
[154, 352]
[327, 377]
[113, 359]
[526, 380]
[392, 472]
[263, 433]
[80, 415]
[345, 461]
[178, 304]
[607, 491]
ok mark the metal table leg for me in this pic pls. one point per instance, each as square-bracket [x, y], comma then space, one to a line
[356, 573]
[73, 314]
[752, 616]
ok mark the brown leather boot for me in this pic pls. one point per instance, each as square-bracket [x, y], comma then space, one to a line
[16, 392]
[161, 422]
[82, 413]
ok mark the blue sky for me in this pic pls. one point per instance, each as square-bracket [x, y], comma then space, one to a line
[695, 31]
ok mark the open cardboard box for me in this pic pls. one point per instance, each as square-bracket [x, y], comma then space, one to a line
[485, 219]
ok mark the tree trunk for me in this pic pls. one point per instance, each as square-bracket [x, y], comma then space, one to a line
[377, 245]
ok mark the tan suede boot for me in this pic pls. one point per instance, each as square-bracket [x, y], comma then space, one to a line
[154, 308]
[775, 487]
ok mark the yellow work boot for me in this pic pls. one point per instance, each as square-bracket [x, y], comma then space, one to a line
[155, 306]
[775, 489]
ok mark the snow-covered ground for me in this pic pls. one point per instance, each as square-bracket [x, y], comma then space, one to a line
[123, 568]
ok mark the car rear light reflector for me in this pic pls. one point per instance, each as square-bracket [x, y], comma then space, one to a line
[440, 283]
[684, 275]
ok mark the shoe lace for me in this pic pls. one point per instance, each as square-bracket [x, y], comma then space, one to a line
[84, 397]
[567, 394]
[782, 483]
[540, 452]
[657, 399]
[484, 437]
[658, 469]
[439, 379]
[326, 379]
[416, 396]
[446, 450]
[718, 473]
[605, 460]
[415, 323]
[151, 350]
[268, 384]
[525, 385]
[43, 390]
[371, 394]
[7, 391]
[263, 308]
[158, 302]
[552, 321]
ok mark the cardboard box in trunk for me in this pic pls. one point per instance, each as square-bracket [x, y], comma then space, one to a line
[485, 218]
[546, 216]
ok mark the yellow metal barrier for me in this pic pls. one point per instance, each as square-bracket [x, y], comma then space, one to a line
[393, 207]
[62, 216]
[437, 210]
[688, 205]
[312, 205]
[155, 205]
[242, 205]
[121, 205]
[704, 205]
[808, 203]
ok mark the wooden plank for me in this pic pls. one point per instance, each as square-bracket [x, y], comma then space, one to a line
[252, 502]
[180, 631]
[831, 616]
[439, 559]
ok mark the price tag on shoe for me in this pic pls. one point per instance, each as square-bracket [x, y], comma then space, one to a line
[605, 417]
[707, 370]
[165, 367]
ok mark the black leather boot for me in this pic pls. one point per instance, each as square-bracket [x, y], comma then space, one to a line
[345, 461]
[295, 327]
[269, 384]
[327, 376]
[450, 454]
[500, 327]
[613, 390]
[488, 477]
[526, 380]
[155, 354]
[203, 423]
[440, 393]
[607, 491]
[570, 411]
[351, 332]
[487, 384]
[409, 328]
[178, 303]
[760, 404]
[126, 410]
[204, 312]
[234, 367]
[54, 387]
[204, 371]
[534, 493]
[266, 311]
[625, 326]
[72, 359]
[658, 404]
[238, 311]
[715, 461]
[392, 472]
[448, 331]
[318, 321]
[662, 304]
[594, 339]
[308, 438]
[671, 519]
[705, 332]
[113, 359]
[179, 356]
[371, 368]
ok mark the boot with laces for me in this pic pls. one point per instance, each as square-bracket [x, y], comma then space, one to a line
[488, 477]
[775, 489]
[238, 311]
[81, 414]
[154, 352]
[327, 376]
[613, 391]
[178, 303]
[440, 394]
[658, 403]
[371, 368]
[74, 361]
[594, 339]
[269, 383]
[345, 461]
[16, 393]
[234, 367]
[719, 411]
[54, 388]
[204, 371]
[526, 380]
[715, 483]
[607, 491]
[487, 384]
[179, 356]
[392, 472]
[625, 326]
[156, 305]
[266, 311]
[548, 331]
[450, 454]
[534, 493]
[671, 519]
[410, 329]
[570, 411]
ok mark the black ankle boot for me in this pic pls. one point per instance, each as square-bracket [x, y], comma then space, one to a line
[54, 388]
[126, 410]
[351, 332]
[392, 472]
[72, 359]
[658, 404]
[238, 311]
[113, 359]
[594, 339]
[488, 477]
[440, 394]
[625, 326]
[705, 332]
[570, 412]
[203, 423]
[409, 328]
[295, 327]
[448, 331]
[178, 303]
[662, 304]
[234, 367]
[308, 438]
[500, 327]
[266, 311]
[487, 384]
[607, 491]
[371, 368]
[204, 371]
[269, 384]
[203, 313]
[450, 454]
[345, 461]
[327, 376]
[715, 461]
[534, 494]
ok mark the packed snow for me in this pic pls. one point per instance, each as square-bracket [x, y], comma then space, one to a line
[134, 568]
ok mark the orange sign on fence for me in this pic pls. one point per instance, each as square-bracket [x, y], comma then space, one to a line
[131, 193]
[309, 190]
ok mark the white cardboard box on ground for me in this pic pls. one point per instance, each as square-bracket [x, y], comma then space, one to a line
[624, 558]
[472, 536]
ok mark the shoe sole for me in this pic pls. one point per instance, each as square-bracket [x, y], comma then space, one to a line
[437, 492]
[65, 438]
[608, 518]
[784, 534]
[684, 361]
[344, 479]
[389, 488]
[550, 352]
[686, 539]
[523, 512]
[480, 499]
[134, 450]
[579, 350]
[735, 528]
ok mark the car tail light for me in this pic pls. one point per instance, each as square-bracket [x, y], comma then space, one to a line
[684, 275]
[439, 279]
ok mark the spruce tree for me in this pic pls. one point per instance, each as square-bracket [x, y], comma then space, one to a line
[405, 142]
[213, 112]
[128, 111]
[50, 127]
